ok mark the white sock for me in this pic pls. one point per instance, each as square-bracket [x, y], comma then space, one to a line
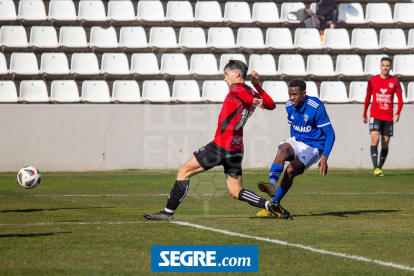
[168, 210]
[267, 203]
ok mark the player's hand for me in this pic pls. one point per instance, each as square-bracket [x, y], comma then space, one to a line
[396, 118]
[258, 102]
[255, 77]
[365, 120]
[323, 165]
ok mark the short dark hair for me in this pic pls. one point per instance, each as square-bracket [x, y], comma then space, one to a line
[386, 59]
[239, 65]
[298, 83]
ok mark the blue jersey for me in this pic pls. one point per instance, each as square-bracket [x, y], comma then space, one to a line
[306, 123]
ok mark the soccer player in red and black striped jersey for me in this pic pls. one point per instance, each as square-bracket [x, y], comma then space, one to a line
[227, 147]
[381, 122]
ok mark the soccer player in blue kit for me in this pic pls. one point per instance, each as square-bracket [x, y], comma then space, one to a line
[312, 139]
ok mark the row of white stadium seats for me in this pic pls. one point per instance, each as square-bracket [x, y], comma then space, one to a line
[205, 11]
[195, 38]
[183, 91]
[200, 64]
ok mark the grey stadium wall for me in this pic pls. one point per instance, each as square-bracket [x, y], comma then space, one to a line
[83, 137]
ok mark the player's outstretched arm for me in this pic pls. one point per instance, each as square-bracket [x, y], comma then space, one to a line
[268, 102]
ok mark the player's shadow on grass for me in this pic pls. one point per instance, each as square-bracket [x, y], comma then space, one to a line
[346, 213]
[32, 235]
[50, 209]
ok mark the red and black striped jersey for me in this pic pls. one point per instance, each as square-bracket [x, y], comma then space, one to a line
[236, 110]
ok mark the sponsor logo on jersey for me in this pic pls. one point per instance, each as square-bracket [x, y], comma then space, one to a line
[391, 85]
[302, 128]
[306, 117]
[383, 90]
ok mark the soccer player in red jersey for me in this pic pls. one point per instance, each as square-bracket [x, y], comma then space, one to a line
[227, 147]
[382, 87]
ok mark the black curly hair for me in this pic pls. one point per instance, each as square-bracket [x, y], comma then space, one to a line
[298, 83]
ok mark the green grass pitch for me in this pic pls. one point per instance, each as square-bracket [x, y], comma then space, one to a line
[91, 223]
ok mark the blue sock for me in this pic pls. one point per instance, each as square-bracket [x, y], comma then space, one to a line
[280, 193]
[275, 172]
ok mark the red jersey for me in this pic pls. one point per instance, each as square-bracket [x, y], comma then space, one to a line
[383, 91]
[236, 110]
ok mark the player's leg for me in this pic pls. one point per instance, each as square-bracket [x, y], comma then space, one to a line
[295, 168]
[385, 140]
[375, 137]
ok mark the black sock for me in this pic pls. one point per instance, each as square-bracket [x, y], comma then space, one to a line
[374, 156]
[383, 156]
[178, 192]
[253, 199]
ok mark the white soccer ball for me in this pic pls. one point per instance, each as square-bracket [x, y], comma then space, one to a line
[29, 177]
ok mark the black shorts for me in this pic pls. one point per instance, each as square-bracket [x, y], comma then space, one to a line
[212, 155]
[385, 128]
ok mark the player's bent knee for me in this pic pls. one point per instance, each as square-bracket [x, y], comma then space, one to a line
[183, 173]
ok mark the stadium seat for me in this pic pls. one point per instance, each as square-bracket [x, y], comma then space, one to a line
[43, 37]
[410, 93]
[54, 64]
[208, 11]
[114, 64]
[221, 38]
[174, 64]
[404, 65]
[237, 12]
[3, 65]
[410, 43]
[103, 38]
[23, 64]
[277, 90]
[33, 91]
[265, 12]
[13, 37]
[372, 64]
[31, 10]
[313, 7]
[351, 13]
[333, 92]
[291, 65]
[312, 89]
[215, 91]
[279, 38]
[192, 37]
[288, 7]
[8, 92]
[349, 65]
[162, 37]
[64, 91]
[403, 12]
[307, 38]
[392, 39]
[84, 64]
[62, 10]
[336, 39]
[320, 65]
[156, 91]
[133, 38]
[126, 91]
[95, 91]
[91, 10]
[364, 39]
[224, 59]
[358, 91]
[73, 37]
[264, 65]
[186, 91]
[378, 13]
[250, 38]
[179, 11]
[144, 64]
[203, 64]
[150, 11]
[7, 11]
[121, 11]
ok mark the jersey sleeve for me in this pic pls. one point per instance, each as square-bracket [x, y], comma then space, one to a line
[367, 98]
[268, 102]
[398, 91]
[322, 118]
[242, 94]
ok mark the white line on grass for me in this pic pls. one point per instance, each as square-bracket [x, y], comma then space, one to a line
[85, 223]
[363, 259]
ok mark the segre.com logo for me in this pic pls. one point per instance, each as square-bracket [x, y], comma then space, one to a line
[206, 258]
